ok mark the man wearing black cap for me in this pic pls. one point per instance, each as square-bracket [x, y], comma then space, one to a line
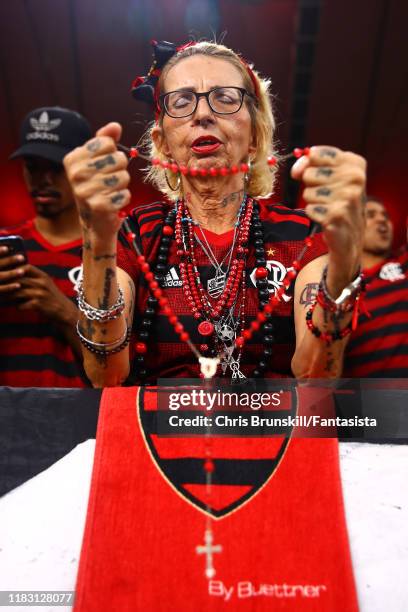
[38, 342]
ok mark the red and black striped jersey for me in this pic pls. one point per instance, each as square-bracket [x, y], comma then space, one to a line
[284, 233]
[379, 346]
[33, 351]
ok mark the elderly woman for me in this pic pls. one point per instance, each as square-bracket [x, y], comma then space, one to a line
[216, 252]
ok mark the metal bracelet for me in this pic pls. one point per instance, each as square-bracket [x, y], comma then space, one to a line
[113, 344]
[100, 314]
[352, 289]
[102, 348]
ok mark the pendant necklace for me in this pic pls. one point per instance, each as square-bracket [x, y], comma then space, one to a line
[226, 325]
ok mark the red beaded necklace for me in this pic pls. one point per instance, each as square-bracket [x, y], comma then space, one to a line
[196, 296]
[133, 153]
[195, 292]
[202, 308]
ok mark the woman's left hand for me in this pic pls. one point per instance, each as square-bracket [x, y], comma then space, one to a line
[335, 183]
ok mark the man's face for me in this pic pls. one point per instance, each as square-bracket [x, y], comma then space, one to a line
[378, 232]
[48, 186]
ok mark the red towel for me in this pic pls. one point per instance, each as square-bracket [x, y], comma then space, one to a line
[279, 520]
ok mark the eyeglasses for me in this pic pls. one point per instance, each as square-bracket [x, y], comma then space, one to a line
[221, 100]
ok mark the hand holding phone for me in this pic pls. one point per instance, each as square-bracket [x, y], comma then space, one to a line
[12, 259]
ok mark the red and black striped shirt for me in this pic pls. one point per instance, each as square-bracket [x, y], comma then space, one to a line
[33, 351]
[379, 346]
[284, 234]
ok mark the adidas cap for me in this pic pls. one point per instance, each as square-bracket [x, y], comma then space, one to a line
[51, 132]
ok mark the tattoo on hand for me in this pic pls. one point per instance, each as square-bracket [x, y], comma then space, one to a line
[111, 181]
[320, 210]
[328, 153]
[323, 191]
[324, 172]
[94, 145]
[117, 198]
[309, 293]
[99, 164]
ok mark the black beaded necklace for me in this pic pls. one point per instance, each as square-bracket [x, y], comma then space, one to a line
[266, 328]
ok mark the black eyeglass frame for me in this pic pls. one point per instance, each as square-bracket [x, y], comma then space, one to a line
[206, 95]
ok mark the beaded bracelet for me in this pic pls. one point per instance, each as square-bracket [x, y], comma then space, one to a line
[100, 314]
[328, 337]
[102, 348]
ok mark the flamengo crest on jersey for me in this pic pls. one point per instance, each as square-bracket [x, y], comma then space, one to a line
[42, 126]
[277, 273]
[392, 272]
[75, 276]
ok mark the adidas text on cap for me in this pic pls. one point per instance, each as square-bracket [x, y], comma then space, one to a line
[51, 132]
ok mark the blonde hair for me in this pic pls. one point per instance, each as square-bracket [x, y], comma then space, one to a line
[262, 177]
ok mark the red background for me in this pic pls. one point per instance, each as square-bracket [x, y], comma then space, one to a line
[84, 54]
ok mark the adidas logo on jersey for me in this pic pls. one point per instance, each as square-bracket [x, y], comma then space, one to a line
[172, 278]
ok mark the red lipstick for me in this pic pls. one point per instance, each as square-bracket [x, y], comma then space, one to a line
[205, 144]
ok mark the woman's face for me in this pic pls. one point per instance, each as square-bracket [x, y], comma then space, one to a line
[231, 135]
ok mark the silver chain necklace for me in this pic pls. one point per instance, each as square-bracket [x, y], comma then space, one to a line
[216, 284]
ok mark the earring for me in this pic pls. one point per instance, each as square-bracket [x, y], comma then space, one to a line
[170, 186]
[247, 175]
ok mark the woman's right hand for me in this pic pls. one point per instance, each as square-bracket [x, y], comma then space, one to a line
[99, 178]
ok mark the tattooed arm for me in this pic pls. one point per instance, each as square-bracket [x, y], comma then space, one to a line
[99, 179]
[313, 358]
[334, 183]
[101, 281]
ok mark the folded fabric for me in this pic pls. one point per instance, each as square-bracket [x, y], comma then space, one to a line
[278, 541]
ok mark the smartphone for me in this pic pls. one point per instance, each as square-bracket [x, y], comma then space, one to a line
[16, 246]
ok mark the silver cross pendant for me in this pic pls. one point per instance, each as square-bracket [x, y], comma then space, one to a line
[236, 372]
